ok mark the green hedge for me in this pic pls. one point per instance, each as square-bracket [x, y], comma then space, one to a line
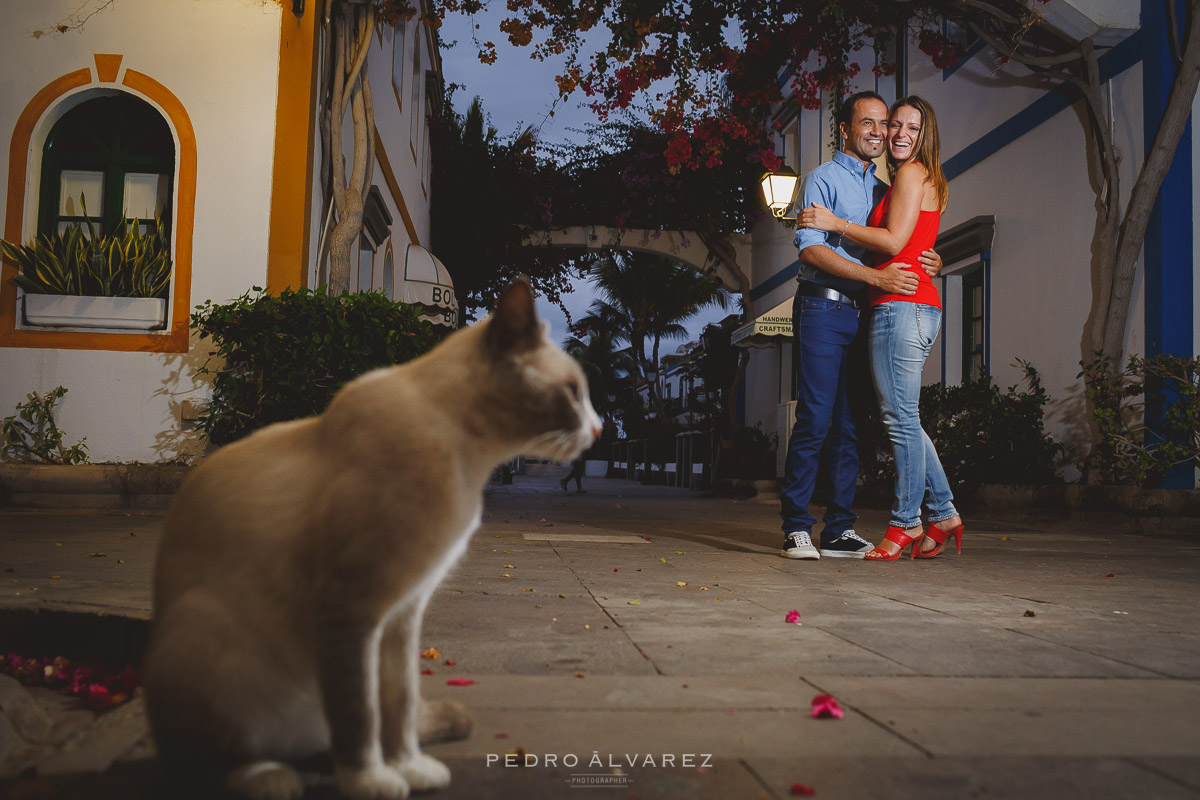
[982, 434]
[284, 357]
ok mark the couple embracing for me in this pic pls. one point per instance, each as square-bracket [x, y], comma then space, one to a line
[866, 267]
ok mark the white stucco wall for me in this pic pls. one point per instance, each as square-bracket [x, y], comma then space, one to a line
[1038, 189]
[220, 59]
[405, 146]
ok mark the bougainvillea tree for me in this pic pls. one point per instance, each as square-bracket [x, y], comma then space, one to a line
[728, 60]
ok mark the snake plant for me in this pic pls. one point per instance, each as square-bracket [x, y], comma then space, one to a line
[127, 263]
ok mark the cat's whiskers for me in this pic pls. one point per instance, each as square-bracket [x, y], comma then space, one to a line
[558, 444]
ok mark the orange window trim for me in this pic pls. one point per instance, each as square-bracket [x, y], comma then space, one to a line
[175, 340]
[292, 174]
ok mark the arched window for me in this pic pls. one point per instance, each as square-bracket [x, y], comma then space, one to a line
[113, 155]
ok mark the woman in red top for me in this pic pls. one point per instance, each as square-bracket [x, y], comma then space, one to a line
[903, 328]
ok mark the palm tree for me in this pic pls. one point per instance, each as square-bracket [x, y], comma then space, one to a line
[647, 298]
[606, 365]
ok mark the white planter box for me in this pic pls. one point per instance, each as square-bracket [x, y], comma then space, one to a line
[67, 311]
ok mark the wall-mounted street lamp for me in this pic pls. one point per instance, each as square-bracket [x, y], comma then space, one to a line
[779, 189]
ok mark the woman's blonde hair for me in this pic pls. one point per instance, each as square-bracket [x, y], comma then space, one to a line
[928, 149]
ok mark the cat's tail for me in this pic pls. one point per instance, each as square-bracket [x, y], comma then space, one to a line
[442, 721]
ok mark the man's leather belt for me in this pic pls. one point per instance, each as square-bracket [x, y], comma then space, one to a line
[809, 289]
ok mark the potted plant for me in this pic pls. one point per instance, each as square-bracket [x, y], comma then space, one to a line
[117, 280]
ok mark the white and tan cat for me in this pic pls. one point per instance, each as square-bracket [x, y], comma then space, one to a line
[297, 563]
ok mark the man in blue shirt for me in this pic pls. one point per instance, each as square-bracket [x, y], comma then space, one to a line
[830, 298]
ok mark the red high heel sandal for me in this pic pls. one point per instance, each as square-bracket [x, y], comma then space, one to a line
[895, 536]
[940, 536]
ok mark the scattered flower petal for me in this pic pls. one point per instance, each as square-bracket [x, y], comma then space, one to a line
[681, 583]
[825, 707]
[663, 560]
[98, 555]
[1004, 538]
[679, 553]
[635, 602]
[427, 672]
[793, 617]
[449, 663]
[509, 566]
[460, 682]
[1109, 575]
[802, 790]
[579, 675]
[431, 653]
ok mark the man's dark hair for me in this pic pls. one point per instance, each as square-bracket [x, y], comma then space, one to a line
[846, 112]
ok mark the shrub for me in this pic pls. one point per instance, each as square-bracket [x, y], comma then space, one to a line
[1148, 415]
[982, 435]
[752, 456]
[31, 435]
[285, 357]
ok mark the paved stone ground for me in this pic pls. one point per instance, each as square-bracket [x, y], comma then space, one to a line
[587, 653]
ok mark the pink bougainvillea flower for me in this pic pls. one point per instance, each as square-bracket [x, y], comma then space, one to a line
[98, 697]
[793, 616]
[460, 682]
[824, 706]
[803, 790]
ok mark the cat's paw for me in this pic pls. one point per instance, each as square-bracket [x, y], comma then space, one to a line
[371, 783]
[423, 773]
[266, 780]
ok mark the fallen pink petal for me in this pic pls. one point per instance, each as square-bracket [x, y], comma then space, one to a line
[825, 707]
[803, 790]
[793, 616]
[460, 682]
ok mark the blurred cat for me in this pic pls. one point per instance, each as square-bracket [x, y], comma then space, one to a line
[297, 563]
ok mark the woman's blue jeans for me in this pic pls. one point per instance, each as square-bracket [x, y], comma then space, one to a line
[902, 335]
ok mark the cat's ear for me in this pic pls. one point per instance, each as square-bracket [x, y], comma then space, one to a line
[513, 327]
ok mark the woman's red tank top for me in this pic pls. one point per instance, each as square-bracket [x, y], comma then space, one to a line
[923, 238]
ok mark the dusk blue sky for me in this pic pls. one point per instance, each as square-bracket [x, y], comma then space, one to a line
[517, 91]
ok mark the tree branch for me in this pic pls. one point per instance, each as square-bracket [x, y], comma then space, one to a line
[369, 108]
[338, 113]
[1146, 189]
[363, 43]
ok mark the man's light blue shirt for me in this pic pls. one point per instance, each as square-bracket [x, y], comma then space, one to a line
[840, 185]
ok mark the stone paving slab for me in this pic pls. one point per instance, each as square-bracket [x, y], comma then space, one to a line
[995, 778]
[949, 689]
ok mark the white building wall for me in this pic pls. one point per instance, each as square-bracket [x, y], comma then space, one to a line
[405, 141]
[128, 404]
[1039, 191]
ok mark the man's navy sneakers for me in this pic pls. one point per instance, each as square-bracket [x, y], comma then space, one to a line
[846, 544]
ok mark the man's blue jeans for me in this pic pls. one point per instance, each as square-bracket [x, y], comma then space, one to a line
[902, 335]
[823, 331]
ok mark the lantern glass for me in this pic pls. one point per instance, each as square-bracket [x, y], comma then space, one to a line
[778, 189]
